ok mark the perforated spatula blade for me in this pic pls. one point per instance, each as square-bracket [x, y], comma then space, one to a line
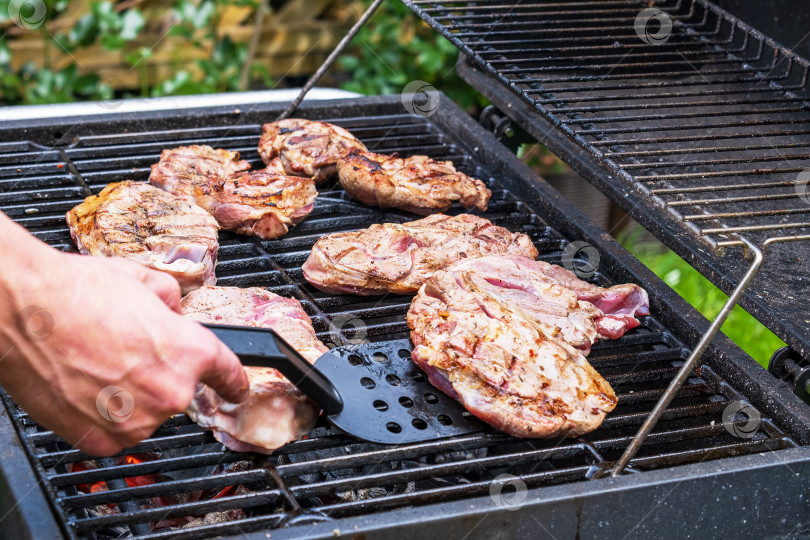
[371, 391]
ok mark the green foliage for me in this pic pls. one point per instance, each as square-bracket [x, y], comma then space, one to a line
[395, 48]
[741, 327]
[103, 24]
[540, 158]
[47, 86]
[119, 31]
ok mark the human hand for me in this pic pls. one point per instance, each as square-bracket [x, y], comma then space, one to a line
[72, 327]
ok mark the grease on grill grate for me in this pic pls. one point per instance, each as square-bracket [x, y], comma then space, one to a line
[329, 475]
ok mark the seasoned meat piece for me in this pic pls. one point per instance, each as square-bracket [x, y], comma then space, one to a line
[263, 203]
[496, 333]
[276, 411]
[400, 258]
[145, 224]
[306, 148]
[416, 184]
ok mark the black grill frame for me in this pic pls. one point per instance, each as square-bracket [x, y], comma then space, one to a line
[723, 360]
[584, 126]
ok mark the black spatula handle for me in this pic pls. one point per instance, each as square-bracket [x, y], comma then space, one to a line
[261, 347]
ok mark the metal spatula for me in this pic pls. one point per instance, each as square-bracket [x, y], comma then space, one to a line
[372, 391]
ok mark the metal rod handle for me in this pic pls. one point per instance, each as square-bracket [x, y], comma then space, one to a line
[689, 365]
[329, 60]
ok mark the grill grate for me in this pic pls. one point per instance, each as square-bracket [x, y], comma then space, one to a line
[328, 475]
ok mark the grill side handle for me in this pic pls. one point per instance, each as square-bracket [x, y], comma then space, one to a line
[262, 347]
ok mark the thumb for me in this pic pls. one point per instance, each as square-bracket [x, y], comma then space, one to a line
[223, 371]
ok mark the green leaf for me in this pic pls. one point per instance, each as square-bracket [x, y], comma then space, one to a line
[197, 16]
[5, 54]
[349, 63]
[131, 22]
[86, 84]
[82, 33]
[112, 42]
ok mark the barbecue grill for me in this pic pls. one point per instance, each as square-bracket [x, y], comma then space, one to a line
[732, 442]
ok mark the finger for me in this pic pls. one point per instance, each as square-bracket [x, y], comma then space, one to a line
[223, 371]
[165, 286]
[162, 284]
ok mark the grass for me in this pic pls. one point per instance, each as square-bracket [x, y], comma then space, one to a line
[741, 327]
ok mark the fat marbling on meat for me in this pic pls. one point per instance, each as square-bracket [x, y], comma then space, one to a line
[398, 258]
[264, 203]
[306, 147]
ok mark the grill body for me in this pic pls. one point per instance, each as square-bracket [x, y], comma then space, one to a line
[688, 471]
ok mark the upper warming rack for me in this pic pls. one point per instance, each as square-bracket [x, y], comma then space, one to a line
[687, 110]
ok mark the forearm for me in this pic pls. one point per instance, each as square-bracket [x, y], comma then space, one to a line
[21, 254]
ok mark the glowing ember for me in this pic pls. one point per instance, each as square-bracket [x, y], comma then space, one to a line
[160, 501]
[95, 487]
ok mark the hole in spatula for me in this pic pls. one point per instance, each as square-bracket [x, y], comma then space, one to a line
[367, 383]
[393, 427]
[431, 398]
[418, 423]
[392, 379]
[380, 405]
[380, 357]
[406, 402]
[355, 360]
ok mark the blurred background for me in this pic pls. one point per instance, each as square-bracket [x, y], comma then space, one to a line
[57, 51]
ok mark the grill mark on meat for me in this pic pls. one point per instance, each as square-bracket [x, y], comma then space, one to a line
[292, 141]
[142, 223]
[363, 162]
[399, 258]
[306, 148]
[265, 203]
[416, 184]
